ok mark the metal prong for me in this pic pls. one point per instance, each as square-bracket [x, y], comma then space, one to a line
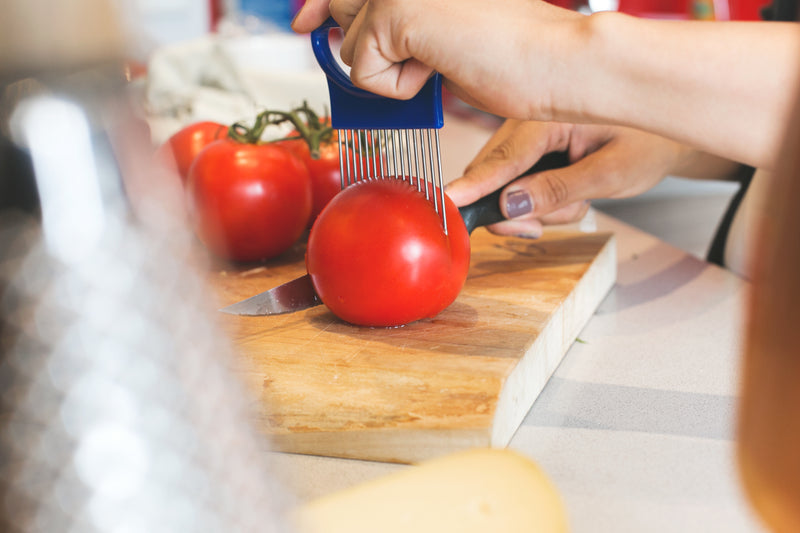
[341, 159]
[383, 145]
[408, 156]
[440, 179]
[348, 134]
[360, 155]
[395, 134]
[424, 159]
[416, 161]
[374, 152]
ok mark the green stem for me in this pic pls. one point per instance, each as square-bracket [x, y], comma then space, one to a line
[313, 130]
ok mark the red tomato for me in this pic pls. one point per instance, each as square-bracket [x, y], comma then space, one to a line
[184, 145]
[378, 254]
[326, 180]
[248, 201]
[325, 171]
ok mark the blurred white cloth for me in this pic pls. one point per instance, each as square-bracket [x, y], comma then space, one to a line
[230, 79]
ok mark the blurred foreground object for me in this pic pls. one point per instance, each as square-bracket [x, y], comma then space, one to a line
[769, 424]
[119, 409]
[476, 491]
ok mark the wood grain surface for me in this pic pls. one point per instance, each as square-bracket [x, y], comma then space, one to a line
[463, 379]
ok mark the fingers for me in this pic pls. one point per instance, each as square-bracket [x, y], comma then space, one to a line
[512, 150]
[627, 164]
[380, 60]
[566, 215]
[315, 12]
[533, 228]
[346, 11]
[311, 16]
[557, 196]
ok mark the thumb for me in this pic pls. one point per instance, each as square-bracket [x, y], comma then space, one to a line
[502, 165]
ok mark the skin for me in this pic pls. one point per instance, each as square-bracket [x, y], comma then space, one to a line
[607, 87]
[607, 163]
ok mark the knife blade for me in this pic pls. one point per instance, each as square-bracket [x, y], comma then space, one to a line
[292, 296]
[299, 293]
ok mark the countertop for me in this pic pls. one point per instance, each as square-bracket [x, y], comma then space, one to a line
[636, 427]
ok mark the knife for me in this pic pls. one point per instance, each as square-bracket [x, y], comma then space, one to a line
[299, 293]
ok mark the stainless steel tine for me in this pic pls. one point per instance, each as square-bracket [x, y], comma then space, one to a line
[423, 156]
[408, 158]
[373, 147]
[360, 154]
[350, 161]
[364, 155]
[396, 155]
[355, 155]
[348, 150]
[423, 166]
[416, 159]
[440, 179]
[391, 164]
[381, 154]
[341, 158]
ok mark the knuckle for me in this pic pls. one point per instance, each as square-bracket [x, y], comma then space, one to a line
[552, 190]
[502, 152]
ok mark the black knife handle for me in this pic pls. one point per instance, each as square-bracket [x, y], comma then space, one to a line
[486, 210]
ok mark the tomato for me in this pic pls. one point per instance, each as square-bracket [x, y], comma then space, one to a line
[248, 201]
[378, 255]
[326, 179]
[317, 145]
[184, 145]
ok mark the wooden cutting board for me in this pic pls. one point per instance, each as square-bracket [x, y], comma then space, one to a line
[465, 378]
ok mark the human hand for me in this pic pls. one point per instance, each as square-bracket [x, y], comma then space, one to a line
[393, 46]
[607, 162]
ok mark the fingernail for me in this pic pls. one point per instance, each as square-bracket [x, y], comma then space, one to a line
[294, 19]
[531, 235]
[518, 203]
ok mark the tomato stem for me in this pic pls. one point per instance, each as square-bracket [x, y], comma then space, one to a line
[314, 130]
[241, 133]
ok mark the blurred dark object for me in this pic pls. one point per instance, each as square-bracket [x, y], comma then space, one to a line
[17, 186]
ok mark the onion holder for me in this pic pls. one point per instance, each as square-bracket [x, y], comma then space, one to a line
[402, 135]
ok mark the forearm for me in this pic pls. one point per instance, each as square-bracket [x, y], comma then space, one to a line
[725, 88]
[695, 164]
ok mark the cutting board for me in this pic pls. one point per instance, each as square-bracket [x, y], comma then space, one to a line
[463, 379]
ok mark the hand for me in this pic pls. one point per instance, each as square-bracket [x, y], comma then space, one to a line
[393, 46]
[530, 60]
[608, 162]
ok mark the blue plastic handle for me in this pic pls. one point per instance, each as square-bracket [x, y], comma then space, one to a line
[357, 109]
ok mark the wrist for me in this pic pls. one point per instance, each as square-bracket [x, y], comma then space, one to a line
[599, 80]
[578, 80]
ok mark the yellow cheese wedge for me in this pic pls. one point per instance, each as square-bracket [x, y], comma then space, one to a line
[481, 490]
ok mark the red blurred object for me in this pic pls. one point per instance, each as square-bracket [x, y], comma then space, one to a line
[568, 4]
[216, 10]
[694, 9]
[747, 9]
[660, 9]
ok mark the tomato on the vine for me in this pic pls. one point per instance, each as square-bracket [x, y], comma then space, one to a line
[183, 146]
[378, 255]
[248, 201]
[317, 144]
[323, 167]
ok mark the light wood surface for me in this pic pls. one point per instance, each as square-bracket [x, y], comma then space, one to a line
[463, 379]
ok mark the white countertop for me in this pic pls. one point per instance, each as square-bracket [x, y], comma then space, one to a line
[636, 427]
